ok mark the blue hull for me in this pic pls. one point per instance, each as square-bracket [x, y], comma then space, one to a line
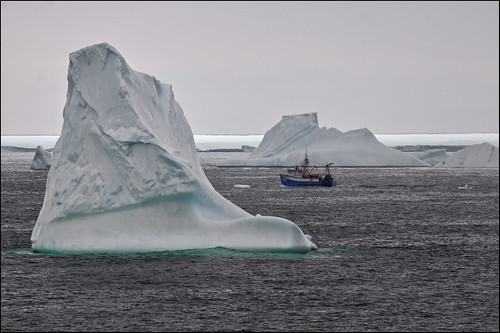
[289, 182]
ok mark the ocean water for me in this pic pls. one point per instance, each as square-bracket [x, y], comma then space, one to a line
[400, 249]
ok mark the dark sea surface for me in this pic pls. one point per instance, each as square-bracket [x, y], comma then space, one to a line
[400, 249]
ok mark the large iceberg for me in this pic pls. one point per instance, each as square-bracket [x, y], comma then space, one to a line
[483, 155]
[125, 175]
[286, 143]
[42, 159]
[432, 156]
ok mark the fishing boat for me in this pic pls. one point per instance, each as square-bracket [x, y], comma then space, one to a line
[305, 175]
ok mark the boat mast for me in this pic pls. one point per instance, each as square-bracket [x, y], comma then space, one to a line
[306, 164]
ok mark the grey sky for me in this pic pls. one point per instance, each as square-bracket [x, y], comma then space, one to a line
[237, 67]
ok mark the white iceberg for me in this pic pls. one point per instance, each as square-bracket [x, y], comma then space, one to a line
[125, 175]
[483, 155]
[286, 143]
[432, 156]
[42, 159]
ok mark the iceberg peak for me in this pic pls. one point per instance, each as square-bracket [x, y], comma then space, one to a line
[311, 117]
[290, 129]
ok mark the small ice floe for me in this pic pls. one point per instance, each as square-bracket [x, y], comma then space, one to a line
[42, 159]
[242, 186]
[465, 187]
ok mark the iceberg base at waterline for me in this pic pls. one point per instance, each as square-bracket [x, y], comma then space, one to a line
[162, 226]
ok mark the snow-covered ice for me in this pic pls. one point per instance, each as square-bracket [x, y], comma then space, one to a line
[286, 143]
[483, 155]
[42, 159]
[125, 175]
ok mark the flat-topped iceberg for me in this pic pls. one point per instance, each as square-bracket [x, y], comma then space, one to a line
[483, 155]
[286, 143]
[42, 159]
[125, 175]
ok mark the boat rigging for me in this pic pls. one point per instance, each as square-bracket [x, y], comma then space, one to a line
[304, 175]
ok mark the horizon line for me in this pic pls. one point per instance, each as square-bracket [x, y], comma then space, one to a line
[227, 134]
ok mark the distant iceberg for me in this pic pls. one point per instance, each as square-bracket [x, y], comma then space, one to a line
[483, 155]
[287, 141]
[42, 159]
[126, 177]
[432, 156]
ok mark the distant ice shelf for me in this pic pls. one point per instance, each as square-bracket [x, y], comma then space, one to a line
[235, 141]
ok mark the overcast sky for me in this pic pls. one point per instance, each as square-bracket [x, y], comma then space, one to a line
[237, 67]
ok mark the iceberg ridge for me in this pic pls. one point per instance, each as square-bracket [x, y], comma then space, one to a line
[483, 155]
[286, 142]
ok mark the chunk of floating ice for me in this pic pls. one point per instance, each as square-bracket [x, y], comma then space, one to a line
[465, 187]
[283, 145]
[125, 175]
[483, 155]
[42, 159]
[242, 186]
